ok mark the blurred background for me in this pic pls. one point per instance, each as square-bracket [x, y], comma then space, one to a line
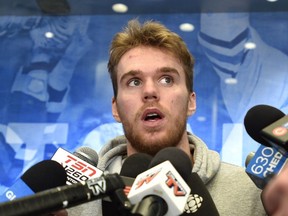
[55, 89]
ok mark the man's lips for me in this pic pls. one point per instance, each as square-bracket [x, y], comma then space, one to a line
[152, 114]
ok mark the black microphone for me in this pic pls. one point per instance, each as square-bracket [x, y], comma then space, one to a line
[199, 201]
[268, 126]
[161, 190]
[270, 157]
[131, 167]
[41, 176]
[64, 197]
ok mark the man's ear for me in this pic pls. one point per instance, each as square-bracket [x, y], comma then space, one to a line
[191, 104]
[115, 110]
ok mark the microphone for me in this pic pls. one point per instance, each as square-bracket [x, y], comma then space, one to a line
[132, 166]
[161, 190]
[88, 155]
[268, 126]
[260, 122]
[199, 202]
[264, 164]
[79, 166]
[41, 176]
[64, 197]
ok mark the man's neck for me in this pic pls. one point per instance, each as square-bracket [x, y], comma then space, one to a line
[184, 145]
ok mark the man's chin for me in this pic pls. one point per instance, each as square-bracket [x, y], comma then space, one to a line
[153, 142]
[152, 147]
[151, 151]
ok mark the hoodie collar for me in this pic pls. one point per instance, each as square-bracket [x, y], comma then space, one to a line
[206, 161]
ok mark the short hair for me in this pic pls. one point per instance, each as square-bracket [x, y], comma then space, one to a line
[152, 34]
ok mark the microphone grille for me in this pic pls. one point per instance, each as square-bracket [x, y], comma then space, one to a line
[259, 117]
[135, 164]
[87, 154]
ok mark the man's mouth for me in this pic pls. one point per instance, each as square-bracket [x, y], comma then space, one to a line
[152, 115]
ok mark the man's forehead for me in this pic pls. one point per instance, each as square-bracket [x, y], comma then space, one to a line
[148, 58]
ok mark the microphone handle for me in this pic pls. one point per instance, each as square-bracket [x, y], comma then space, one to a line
[63, 197]
[151, 205]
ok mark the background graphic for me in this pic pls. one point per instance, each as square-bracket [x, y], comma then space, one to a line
[56, 91]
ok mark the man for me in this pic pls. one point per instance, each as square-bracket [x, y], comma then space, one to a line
[152, 74]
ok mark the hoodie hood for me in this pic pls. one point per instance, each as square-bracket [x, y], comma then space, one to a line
[206, 162]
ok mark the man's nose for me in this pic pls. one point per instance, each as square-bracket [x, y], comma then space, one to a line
[150, 91]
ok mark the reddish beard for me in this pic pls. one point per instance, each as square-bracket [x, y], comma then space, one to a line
[151, 144]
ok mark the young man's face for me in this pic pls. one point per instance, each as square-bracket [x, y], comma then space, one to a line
[153, 102]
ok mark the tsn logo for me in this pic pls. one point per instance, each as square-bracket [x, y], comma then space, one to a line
[80, 166]
[77, 170]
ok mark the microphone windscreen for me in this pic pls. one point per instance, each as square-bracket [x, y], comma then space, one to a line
[164, 179]
[259, 117]
[45, 175]
[131, 167]
[88, 155]
[200, 202]
[178, 158]
[135, 164]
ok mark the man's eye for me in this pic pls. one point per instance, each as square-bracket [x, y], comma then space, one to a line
[134, 82]
[166, 80]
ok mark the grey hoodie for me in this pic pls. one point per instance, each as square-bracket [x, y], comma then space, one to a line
[230, 187]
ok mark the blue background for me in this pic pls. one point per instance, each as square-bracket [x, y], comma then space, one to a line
[35, 120]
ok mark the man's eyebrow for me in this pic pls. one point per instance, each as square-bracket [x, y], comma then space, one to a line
[168, 70]
[133, 73]
[130, 73]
